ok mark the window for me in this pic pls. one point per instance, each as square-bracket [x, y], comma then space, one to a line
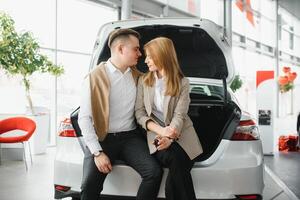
[206, 92]
[291, 38]
[78, 22]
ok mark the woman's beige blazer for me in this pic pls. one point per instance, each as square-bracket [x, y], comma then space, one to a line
[175, 109]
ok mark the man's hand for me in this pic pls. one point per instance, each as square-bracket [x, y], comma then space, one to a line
[164, 143]
[170, 132]
[103, 163]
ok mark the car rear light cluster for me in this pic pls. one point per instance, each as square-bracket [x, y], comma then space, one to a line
[66, 129]
[251, 196]
[62, 188]
[247, 130]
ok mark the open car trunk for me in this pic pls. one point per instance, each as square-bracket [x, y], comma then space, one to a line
[213, 121]
[214, 117]
[198, 54]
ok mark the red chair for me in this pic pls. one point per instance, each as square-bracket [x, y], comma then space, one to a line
[17, 123]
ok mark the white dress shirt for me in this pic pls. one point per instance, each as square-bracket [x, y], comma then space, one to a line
[159, 97]
[121, 106]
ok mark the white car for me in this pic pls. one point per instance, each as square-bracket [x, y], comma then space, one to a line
[231, 166]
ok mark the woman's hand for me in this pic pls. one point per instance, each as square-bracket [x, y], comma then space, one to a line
[164, 143]
[170, 132]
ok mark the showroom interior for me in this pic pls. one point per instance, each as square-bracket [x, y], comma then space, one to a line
[262, 37]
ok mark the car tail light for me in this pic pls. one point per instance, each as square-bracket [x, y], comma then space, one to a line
[62, 188]
[246, 130]
[66, 129]
[251, 196]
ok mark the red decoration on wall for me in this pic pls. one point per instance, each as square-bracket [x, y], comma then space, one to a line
[286, 69]
[240, 5]
[246, 6]
[282, 80]
[262, 76]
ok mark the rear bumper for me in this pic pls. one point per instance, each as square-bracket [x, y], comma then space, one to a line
[238, 171]
[73, 194]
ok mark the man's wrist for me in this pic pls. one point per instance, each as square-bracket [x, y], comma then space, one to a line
[97, 153]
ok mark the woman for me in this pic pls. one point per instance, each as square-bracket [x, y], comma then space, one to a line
[161, 108]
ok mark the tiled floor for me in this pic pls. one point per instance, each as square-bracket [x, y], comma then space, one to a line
[37, 183]
[286, 166]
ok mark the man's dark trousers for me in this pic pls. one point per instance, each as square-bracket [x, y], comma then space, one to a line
[132, 148]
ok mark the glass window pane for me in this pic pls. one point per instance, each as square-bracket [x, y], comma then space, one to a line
[35, 16]
[69, 85]
[79, 22]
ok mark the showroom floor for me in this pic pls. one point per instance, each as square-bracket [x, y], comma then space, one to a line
[286, 165]
[37, 183]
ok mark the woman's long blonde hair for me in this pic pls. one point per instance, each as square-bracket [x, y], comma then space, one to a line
[164, 56]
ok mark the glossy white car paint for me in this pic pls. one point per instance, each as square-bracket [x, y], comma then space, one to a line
[235, 168]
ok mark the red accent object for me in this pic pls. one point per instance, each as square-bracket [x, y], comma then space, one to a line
[17, 123]
[239, 4]
[66, 129]
[245, 131]
[292, 76]
[244, 197]
[247, 123]
[288, 143]
[249, 13]
[286, 69]
[262, 76]
[283, 80]
[67, 133]
[242, 137]
[62, 188]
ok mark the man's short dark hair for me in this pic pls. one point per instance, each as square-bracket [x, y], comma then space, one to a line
[126, 32]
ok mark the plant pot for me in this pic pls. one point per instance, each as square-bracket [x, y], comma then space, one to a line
[39, 139]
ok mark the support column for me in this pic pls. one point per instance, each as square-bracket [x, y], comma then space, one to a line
[126, 9]
[227, 21]
[277, 59]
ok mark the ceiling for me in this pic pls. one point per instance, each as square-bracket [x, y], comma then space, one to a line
[292, 6]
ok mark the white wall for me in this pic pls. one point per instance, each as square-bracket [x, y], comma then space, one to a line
[247, 61]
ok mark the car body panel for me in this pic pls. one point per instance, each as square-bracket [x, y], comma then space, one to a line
[235, 172]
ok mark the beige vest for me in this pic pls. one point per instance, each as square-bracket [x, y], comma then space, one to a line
[100, 88]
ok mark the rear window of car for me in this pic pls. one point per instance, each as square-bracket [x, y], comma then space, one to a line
[205, 91]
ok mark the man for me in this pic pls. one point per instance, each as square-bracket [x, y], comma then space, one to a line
[107, 120]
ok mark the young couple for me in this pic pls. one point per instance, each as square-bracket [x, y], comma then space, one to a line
[114, 94]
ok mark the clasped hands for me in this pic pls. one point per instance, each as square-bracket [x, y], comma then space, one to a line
[165, 138]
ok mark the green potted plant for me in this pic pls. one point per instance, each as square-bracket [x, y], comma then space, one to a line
[236, 83]
[19, 55]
